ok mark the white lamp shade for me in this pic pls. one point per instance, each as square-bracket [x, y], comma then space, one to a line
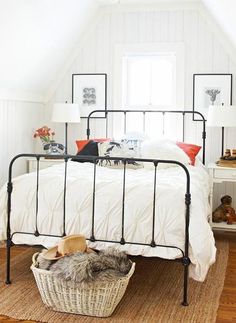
[221, 116]
[66, 112]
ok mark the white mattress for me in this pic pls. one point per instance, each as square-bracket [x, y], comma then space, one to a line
[170, 210]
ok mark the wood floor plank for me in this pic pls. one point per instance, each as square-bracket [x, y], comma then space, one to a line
[9, 320]
[227, 307]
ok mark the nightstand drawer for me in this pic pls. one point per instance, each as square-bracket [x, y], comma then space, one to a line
[225, 173]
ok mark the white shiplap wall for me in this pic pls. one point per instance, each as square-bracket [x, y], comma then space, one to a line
[18, 120]
[206, 51]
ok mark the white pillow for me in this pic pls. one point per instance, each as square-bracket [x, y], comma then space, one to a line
[134, 140]
[163, 149]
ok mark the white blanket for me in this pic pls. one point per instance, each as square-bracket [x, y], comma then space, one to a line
[170, 210]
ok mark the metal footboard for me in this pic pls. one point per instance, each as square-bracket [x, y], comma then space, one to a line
[93, 237]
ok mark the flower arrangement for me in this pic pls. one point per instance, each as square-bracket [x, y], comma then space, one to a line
[45, 134]
[50, 147]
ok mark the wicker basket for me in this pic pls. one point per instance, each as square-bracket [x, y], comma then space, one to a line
[99, 299]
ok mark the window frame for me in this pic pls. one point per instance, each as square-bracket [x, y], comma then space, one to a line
[123, 50]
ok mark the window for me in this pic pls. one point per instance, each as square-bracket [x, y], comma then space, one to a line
[151, 77]
[149, 81]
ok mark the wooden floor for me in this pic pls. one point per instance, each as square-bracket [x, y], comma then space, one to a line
[2, 255]
[227, 308]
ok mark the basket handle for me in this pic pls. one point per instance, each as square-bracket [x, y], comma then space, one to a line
[130, 273]
[34, 259]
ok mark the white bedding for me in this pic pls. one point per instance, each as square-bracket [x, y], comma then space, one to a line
[170, 210]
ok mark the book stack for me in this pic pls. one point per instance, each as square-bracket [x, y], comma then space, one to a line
[229, 159]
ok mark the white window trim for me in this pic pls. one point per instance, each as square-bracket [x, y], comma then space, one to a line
[127, 49]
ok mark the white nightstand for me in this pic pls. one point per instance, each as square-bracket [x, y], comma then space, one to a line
[219, 175]
[43, 163]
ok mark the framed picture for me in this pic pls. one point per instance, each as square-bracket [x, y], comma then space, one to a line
[90, 92]
[211, 89]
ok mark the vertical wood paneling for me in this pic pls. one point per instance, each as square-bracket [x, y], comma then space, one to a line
[100, 57]
[204, 48]
[77, 65]
[165, 25]
[117, 27]
[232, 69]
[190, 40]
[132, 28]
[142, 18]
[176, 26]
[150, 17]
[220, 58]
[89, 57]
[156, 29]
[18, 121]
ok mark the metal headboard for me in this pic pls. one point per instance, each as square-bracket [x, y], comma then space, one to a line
[144, 113]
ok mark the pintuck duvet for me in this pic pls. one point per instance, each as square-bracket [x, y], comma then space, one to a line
[170, 210]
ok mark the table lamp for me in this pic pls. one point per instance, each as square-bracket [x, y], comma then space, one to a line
[66, 113]
[221, 116]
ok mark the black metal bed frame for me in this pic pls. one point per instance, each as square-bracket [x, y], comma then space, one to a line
[95, 159]
[144, 113]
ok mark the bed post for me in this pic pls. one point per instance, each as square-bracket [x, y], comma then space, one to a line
[204, 141]
[185, 259]
[9, 241]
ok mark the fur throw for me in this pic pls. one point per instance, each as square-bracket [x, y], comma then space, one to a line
[43, 263]
[107, 265]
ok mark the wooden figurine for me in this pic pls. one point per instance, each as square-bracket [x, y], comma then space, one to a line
[233, 153]
[227, 153]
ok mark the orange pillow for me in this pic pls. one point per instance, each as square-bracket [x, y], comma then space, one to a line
[82, 143]
[190, 149]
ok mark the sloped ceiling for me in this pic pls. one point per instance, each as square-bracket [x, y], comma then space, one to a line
[39, 36]
[224, 12]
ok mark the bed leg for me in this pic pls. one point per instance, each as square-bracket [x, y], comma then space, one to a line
[186, 262]
[8, 246]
